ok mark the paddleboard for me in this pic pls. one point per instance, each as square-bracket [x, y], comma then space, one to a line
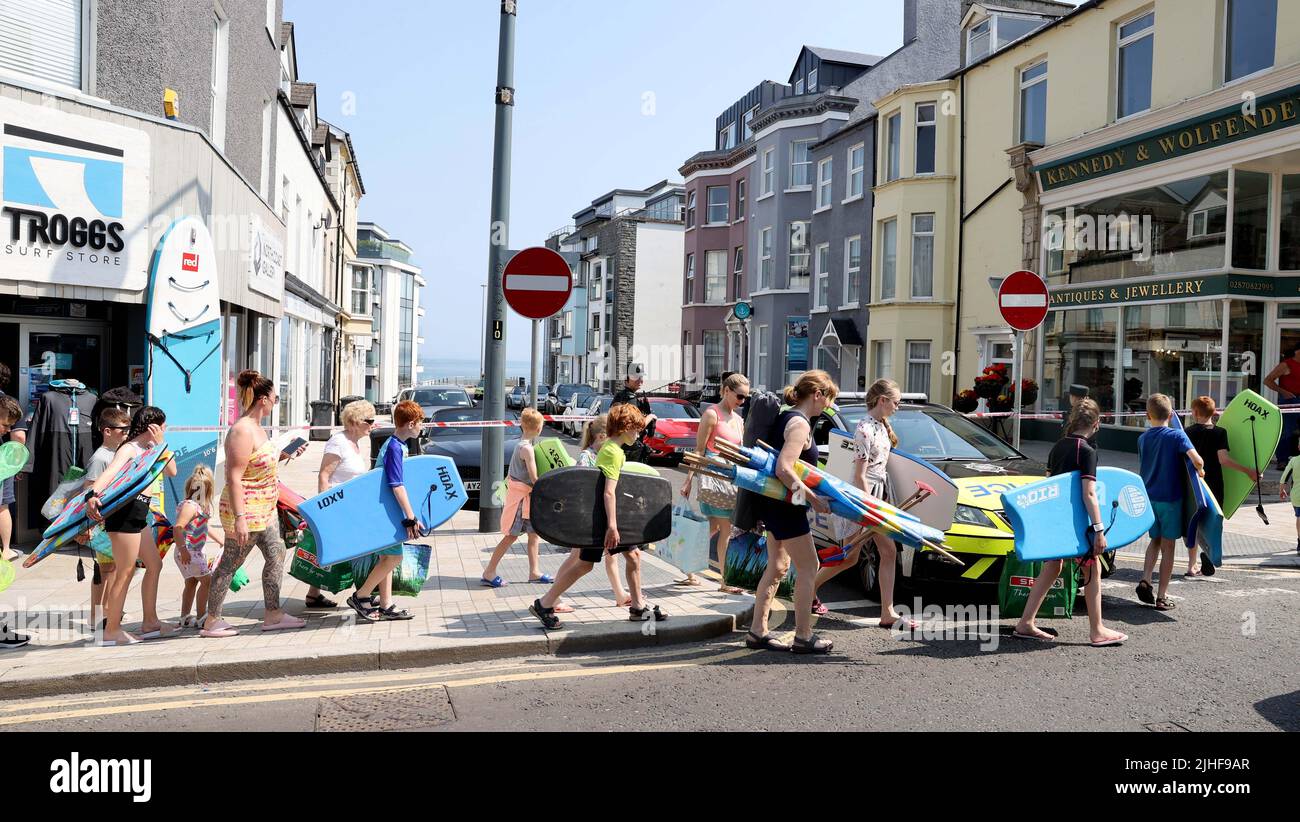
[904, 471]
[13, 456]
[549, 454]
[183, 349]
[1254, 427]
[133, 479]
[362, 516]
[1050, 521]
[568, 507]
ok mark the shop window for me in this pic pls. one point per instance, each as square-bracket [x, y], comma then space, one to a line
[1290, 223]
[1079, 347]
[1245, 347]
[1171, 349]
[1174, 228]
[1251, 37]
[1250, 220]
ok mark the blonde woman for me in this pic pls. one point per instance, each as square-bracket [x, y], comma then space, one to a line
[721, 420]
[787, 523]
[347, 456]
[191, 535]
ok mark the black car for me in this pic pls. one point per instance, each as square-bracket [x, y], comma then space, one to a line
[465, 446]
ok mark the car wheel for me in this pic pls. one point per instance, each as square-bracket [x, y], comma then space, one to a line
[675, 460]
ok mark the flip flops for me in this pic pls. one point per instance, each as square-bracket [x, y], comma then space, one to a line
[1106, 643]
[544, 579]
[1034, 637]
[286, 623]
[113, 643]
[159, 634]
[495, 582]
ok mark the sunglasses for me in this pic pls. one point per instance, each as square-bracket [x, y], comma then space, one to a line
[118, 427]
[369, 421]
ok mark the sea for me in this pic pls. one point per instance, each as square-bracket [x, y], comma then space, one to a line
[467, 370]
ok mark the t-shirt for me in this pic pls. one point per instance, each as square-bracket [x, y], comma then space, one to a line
[351, 463]
[587, 459]
[871, 445]
[610, 460]
[99, 462]
[393, 453]
[1209, 441]
[1161, 452]
[1291, 476]
[1073, 453]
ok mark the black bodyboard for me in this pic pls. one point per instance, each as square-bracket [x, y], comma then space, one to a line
[764, 408]
[568, 508]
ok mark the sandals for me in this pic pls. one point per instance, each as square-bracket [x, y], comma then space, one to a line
[767, 642]
[320, 601]
[547, 615]
[690, 582]
[495, 582]
[392, 614]
[730, 589]
[222, 631]
[367, 612]
[1106, 643]
[644, 614]
[818, 608]
[544, 579]
[1164, 604]
[812, 645]
[1145, 593]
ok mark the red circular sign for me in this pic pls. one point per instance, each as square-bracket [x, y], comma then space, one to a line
[1023, 300]
[537, 283]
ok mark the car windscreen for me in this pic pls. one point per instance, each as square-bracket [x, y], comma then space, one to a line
[673, 411]
[426, 397]
[939, 434]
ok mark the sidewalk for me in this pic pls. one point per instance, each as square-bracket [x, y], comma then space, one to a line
[1247, 541]
[456, 619]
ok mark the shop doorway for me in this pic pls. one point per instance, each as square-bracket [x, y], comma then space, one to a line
[1288, 341]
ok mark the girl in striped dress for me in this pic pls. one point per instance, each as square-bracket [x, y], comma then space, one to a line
[193, 531]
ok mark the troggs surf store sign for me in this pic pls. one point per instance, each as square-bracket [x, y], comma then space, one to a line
[1263, 115]
[75, 199]
[1187, 288]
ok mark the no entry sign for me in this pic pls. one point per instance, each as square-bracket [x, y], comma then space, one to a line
[1022, 299]
[537, 283]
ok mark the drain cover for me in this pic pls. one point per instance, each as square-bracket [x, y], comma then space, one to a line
[393, 711]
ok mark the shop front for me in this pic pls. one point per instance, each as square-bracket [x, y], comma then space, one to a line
[1173, 260]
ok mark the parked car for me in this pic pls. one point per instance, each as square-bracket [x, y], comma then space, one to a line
[465, 446]
[433, 399]
[597, 404]
[982, 466]
[577, 405]
[676, 424]
[517, 398]
[559, 396]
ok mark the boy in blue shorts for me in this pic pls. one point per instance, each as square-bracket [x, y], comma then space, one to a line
[1162, 449]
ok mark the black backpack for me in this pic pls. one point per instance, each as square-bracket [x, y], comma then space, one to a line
[763, 410]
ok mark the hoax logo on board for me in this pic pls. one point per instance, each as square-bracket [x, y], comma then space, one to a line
[125, 776]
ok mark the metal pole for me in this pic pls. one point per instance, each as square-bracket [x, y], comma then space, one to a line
[1018, 368]
[532, 369]
[494, 400]
[482, 351]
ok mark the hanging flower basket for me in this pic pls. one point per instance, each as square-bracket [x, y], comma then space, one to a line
[966, 402]
[1028, 393]
[989, 386]
[1001, 403]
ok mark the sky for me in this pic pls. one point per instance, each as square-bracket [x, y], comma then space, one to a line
[422, 77]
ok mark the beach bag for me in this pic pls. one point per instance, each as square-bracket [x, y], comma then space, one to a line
[333, 578]
[1018, 580]
[68, 487]
[688, 546]
[747, 562]
[410, 576]
[716, 492]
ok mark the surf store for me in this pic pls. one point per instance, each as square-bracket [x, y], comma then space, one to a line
[1172, 258]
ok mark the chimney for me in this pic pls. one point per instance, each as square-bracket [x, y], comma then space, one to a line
[910, 13]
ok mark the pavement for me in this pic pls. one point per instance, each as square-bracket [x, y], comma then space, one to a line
[456, 619]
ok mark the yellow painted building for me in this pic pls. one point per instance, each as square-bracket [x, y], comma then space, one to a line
[1144, 158]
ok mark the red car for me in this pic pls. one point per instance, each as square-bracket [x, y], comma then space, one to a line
[676, 425]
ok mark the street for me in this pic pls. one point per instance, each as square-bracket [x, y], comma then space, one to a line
[1224, 659]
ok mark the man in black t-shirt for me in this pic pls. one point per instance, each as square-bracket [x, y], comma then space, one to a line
[1211, 443]
[630, 394]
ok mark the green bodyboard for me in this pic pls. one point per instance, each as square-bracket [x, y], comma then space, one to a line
[13, 456]
[1254, 428]
[550, 455]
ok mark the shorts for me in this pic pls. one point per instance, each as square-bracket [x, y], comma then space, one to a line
[597, 554]
[784, 520]
[715, 512]
[521, 525]
[131, 518]
[7, 492]
[1169, 520]
[1297, 513]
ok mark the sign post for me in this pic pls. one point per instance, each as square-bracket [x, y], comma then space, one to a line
[1022, 299]
[537, 283]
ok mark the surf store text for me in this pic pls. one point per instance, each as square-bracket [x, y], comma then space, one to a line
[60, 230]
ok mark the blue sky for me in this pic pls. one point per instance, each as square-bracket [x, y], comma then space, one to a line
[423, 75]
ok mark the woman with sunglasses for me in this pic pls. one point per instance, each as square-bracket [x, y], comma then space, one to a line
[720, 420]
[347, 456]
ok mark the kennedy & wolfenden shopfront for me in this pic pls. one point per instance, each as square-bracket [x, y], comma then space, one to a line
[1171, 249]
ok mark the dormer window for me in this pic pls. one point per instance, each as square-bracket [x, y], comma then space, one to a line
[812, 80]
[798, 87]
[978, 40]
[996, 31]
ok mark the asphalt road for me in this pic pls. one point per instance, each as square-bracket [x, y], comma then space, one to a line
[1224, 659]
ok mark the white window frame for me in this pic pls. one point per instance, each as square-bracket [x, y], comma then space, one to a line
[807, 165]
[219, 77]
[821, 276]
[825, 171]
[742, 192]
[812, 81]
[927, 361]
[690, 278]
[1123, 42]
[992, 24]
[1204, 233]
[857, 174]
[768, 179]
[890, 277]
[708, 206]
[765, 266]
[798, 87]
[598, 279]
[690, 209]
[270, 21]
[1025, 85]
[86, 57]
[892, 158]
[745, 120]
[1226, 45]
[717, 279]
[932, 123]
[882, 353]
[728, 135]
[763, 344]
[852, 273]
[264, 181]
[919, 234]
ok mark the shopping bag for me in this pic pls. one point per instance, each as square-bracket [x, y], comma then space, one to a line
[1018, 580]
[73, 479]
[747, 562]
[409, 577]
[332, 578]
[688, 545]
